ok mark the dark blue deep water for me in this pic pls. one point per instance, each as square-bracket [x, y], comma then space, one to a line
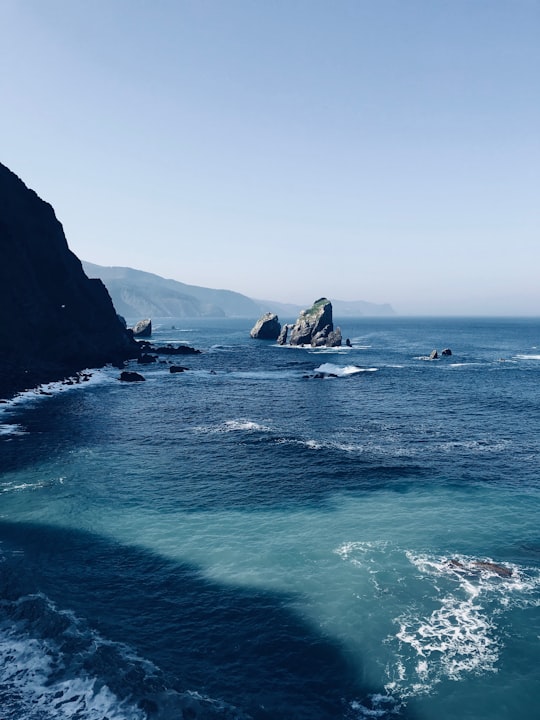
[244, 540]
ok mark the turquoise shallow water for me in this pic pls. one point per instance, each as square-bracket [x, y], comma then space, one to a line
[243, 540]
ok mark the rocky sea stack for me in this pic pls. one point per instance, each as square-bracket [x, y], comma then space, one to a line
[314, 327]
[267, 327]
[55, 321]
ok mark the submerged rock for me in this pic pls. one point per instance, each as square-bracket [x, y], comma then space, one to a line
[146, 359]
[479, 565]
[177, 369]
[496, 568]
[267, 327]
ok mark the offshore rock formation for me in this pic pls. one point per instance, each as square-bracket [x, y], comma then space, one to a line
[282, 337]
[143, 328]
[55, 321]
[315, 327]
[267, 327]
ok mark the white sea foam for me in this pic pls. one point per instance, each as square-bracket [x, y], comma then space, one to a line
[244, 425]
[264, 374]
[313, 444]
[464, 364]
[8, 485]
[218, 348]
[28, 671]
[12, 487]
[459, 635]
[43, 677]
[237, 425]
[46, 678]
[527, 357]
[475, 446]
[11, 429]
[357, 551]
[84, 379]
[392, 451]
[451, 612]
[331, 369]
[375, 706]
[455, 639]
[310, 443]
[342, 350]
[329, 350]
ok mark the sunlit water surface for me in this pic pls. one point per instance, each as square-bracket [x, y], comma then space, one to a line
[246, 540]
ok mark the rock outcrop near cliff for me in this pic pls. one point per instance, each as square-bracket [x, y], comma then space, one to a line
[143, 328]
[54, 320]
[315, 326]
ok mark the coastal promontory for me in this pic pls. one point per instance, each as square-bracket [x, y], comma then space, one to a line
[55, 320]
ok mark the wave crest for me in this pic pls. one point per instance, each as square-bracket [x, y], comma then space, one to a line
[338, 371]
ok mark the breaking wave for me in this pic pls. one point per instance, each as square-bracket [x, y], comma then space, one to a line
[449, 621]
[52, 667]
[330, 369]
[237, 425]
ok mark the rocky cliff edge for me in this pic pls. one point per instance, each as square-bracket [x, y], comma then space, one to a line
[53, 320]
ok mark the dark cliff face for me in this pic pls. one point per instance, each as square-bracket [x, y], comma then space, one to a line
[53, 319]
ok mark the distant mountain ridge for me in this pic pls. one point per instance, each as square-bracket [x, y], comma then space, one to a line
[136, 293]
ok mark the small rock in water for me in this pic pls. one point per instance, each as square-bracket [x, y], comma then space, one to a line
[130, 376]
[146, 359]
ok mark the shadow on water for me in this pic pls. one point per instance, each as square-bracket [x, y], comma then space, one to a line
[243, 646]
[267, 469]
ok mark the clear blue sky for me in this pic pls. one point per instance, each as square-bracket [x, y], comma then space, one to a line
[383, 150]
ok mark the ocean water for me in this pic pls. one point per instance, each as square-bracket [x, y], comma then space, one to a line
[247, 540]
